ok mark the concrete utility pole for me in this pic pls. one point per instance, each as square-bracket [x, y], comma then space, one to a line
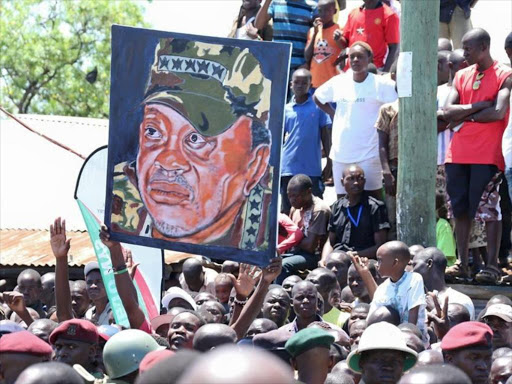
[416, 217]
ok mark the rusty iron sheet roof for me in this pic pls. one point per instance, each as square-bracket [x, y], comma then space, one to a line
[32, 248]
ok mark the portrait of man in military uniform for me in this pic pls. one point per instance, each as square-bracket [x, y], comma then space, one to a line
[202, 173]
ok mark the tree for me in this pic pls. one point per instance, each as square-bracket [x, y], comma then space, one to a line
[55, 55]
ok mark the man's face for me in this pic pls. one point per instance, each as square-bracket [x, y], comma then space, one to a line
[79, 301]
[472, 50]
[300, 84]
[259, 326]
[42, 331]
[250, 4]
[356, 331]
[289, 283]
[336, 263]
[502, 332]
[30, 287]
[48, 291]
[95, 287]
[501, 370]
[358, 313]
[203, 297]
[382, 366]
[298, 197]
[73, 352]
[385, 262]
[276, 306]
[356, 284]
[189, 181]
[359, 60]
[305, 301]
[216, 310]
[420, 265]
[475, 362]
[182, 330]
[319, 280]
[353, 181]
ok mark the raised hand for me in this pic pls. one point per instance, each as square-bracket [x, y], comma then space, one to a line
[15, 301]
[271, 271]
[248, 276]
[360, 263]
[105, 238]
[440, 317]
[317, 24]
[60, 245]
[337, 34]
[128, 259]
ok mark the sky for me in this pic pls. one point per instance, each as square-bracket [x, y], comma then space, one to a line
[215, 18]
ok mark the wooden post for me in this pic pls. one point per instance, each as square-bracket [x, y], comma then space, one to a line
[416, 217]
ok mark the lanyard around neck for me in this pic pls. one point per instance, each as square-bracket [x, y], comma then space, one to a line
[356, 223]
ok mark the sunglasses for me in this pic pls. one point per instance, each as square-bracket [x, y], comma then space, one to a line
[478, 81]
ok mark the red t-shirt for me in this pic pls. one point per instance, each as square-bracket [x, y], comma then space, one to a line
[479, 143]
[377, 27]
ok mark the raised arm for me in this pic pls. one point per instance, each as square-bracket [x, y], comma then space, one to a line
[248, 276]
[124, 283]
[310, 46]
[253, 306]
[361, 265]
[262, 17]
[60, 248]
[16, 303]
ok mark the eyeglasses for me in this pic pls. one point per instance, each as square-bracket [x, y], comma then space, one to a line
[478, 81]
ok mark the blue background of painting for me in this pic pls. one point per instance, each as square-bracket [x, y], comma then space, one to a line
[133, 51]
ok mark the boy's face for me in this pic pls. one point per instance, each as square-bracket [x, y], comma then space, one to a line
[300, 84]
[250, 4]
[386, 262]
[223, 290]
[326, 12]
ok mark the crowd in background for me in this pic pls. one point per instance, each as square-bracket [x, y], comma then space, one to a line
[343, 301]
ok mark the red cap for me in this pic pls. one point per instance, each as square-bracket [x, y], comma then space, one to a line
[77, 330]
[152, 358]
[467, 334]
[24, 342]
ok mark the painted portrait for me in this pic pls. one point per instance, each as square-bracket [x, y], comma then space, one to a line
[194, 143]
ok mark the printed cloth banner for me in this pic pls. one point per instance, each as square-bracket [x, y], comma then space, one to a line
[196, 128]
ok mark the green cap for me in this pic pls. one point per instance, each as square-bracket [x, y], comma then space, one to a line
[211, 85]
[307, 339]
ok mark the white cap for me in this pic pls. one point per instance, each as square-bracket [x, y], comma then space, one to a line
[503, 311]
[382, 335]
[177, 293]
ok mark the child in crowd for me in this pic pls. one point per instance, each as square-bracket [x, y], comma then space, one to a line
[306, 127]
[403, 291]
[323, 47]
[243, 26]
[444, 232]
[223, 287]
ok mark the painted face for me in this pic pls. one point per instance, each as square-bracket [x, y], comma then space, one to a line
[475, 362]
[182, 330]
[382, 366]
[189, 182]
[73, 352]
[95, 287]
[276, 306]
[359, 59]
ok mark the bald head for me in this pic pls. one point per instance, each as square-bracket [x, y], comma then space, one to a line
[414, 249]
[31, 274]
[457, 313]
[212, 335]
[501, 369]
[324, 281]
[478, 36]
[42, 328]
[435, 374]
[384, 313]
[217, 367]
[259, 326]
[430, 263]
[429, 357]
[302, 72]
[49, 373]
[352, 168]
[301, 285]
[300, 182]
[192, 266]
[398, 249]
[443, 44]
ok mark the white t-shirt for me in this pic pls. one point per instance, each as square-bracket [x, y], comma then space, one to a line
[456, 297]
[405, 294]
[103, 318]
[208, 283]
[354, 137]
[443, 138]
[506, 144]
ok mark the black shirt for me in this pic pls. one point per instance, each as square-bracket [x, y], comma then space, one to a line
[373, 217]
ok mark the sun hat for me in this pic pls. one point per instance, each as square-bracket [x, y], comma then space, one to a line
[385, 336]
[177, 293]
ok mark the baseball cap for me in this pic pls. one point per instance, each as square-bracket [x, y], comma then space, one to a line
[467, 334]
[503, 311]
[24, 342]
[307, 339]
[77, 330]
[91, 266]
[382, 335]
[158, 321]
[227, 82]
[177, 293]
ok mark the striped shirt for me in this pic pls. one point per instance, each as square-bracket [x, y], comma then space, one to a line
[292, 20]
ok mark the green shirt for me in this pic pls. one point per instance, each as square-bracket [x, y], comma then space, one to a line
[336, 317]
[445, 240]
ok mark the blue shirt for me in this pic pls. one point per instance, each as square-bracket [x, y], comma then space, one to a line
[292, 20]
[302, 146]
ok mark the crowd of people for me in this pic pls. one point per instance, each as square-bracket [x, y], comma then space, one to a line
[343, 301]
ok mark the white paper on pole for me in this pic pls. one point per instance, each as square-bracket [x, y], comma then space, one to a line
[91, 188]
[404, 74]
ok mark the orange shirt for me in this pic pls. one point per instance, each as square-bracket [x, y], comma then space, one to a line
[325, 53]
[479, 143]
[378, 27]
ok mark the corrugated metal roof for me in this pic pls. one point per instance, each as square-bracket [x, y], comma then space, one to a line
[31, 247]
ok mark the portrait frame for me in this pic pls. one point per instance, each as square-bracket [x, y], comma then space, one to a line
[133, 60]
